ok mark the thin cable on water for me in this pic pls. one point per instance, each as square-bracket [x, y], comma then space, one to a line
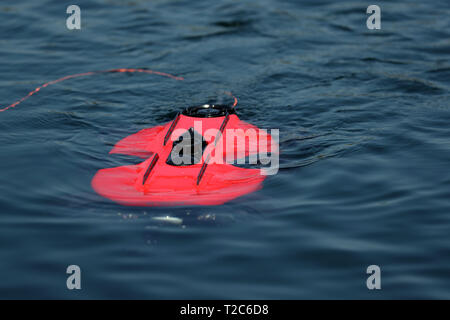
[78, 75]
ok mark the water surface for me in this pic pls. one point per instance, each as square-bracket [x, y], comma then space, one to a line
[364, 136]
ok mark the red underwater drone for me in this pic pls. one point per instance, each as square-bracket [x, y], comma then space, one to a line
[158, 181]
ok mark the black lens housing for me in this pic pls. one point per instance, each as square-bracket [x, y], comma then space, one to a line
[208, 111]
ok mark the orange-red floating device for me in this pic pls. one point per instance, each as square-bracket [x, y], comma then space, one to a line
[198, 136]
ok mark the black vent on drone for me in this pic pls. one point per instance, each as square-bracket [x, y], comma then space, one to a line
[193, 143]
[208, 111]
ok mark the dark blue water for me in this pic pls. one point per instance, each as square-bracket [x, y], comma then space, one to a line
[364, 135]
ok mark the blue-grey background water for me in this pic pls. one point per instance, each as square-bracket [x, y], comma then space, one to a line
[364, 135]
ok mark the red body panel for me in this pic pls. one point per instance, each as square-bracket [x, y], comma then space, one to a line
[168, 185]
